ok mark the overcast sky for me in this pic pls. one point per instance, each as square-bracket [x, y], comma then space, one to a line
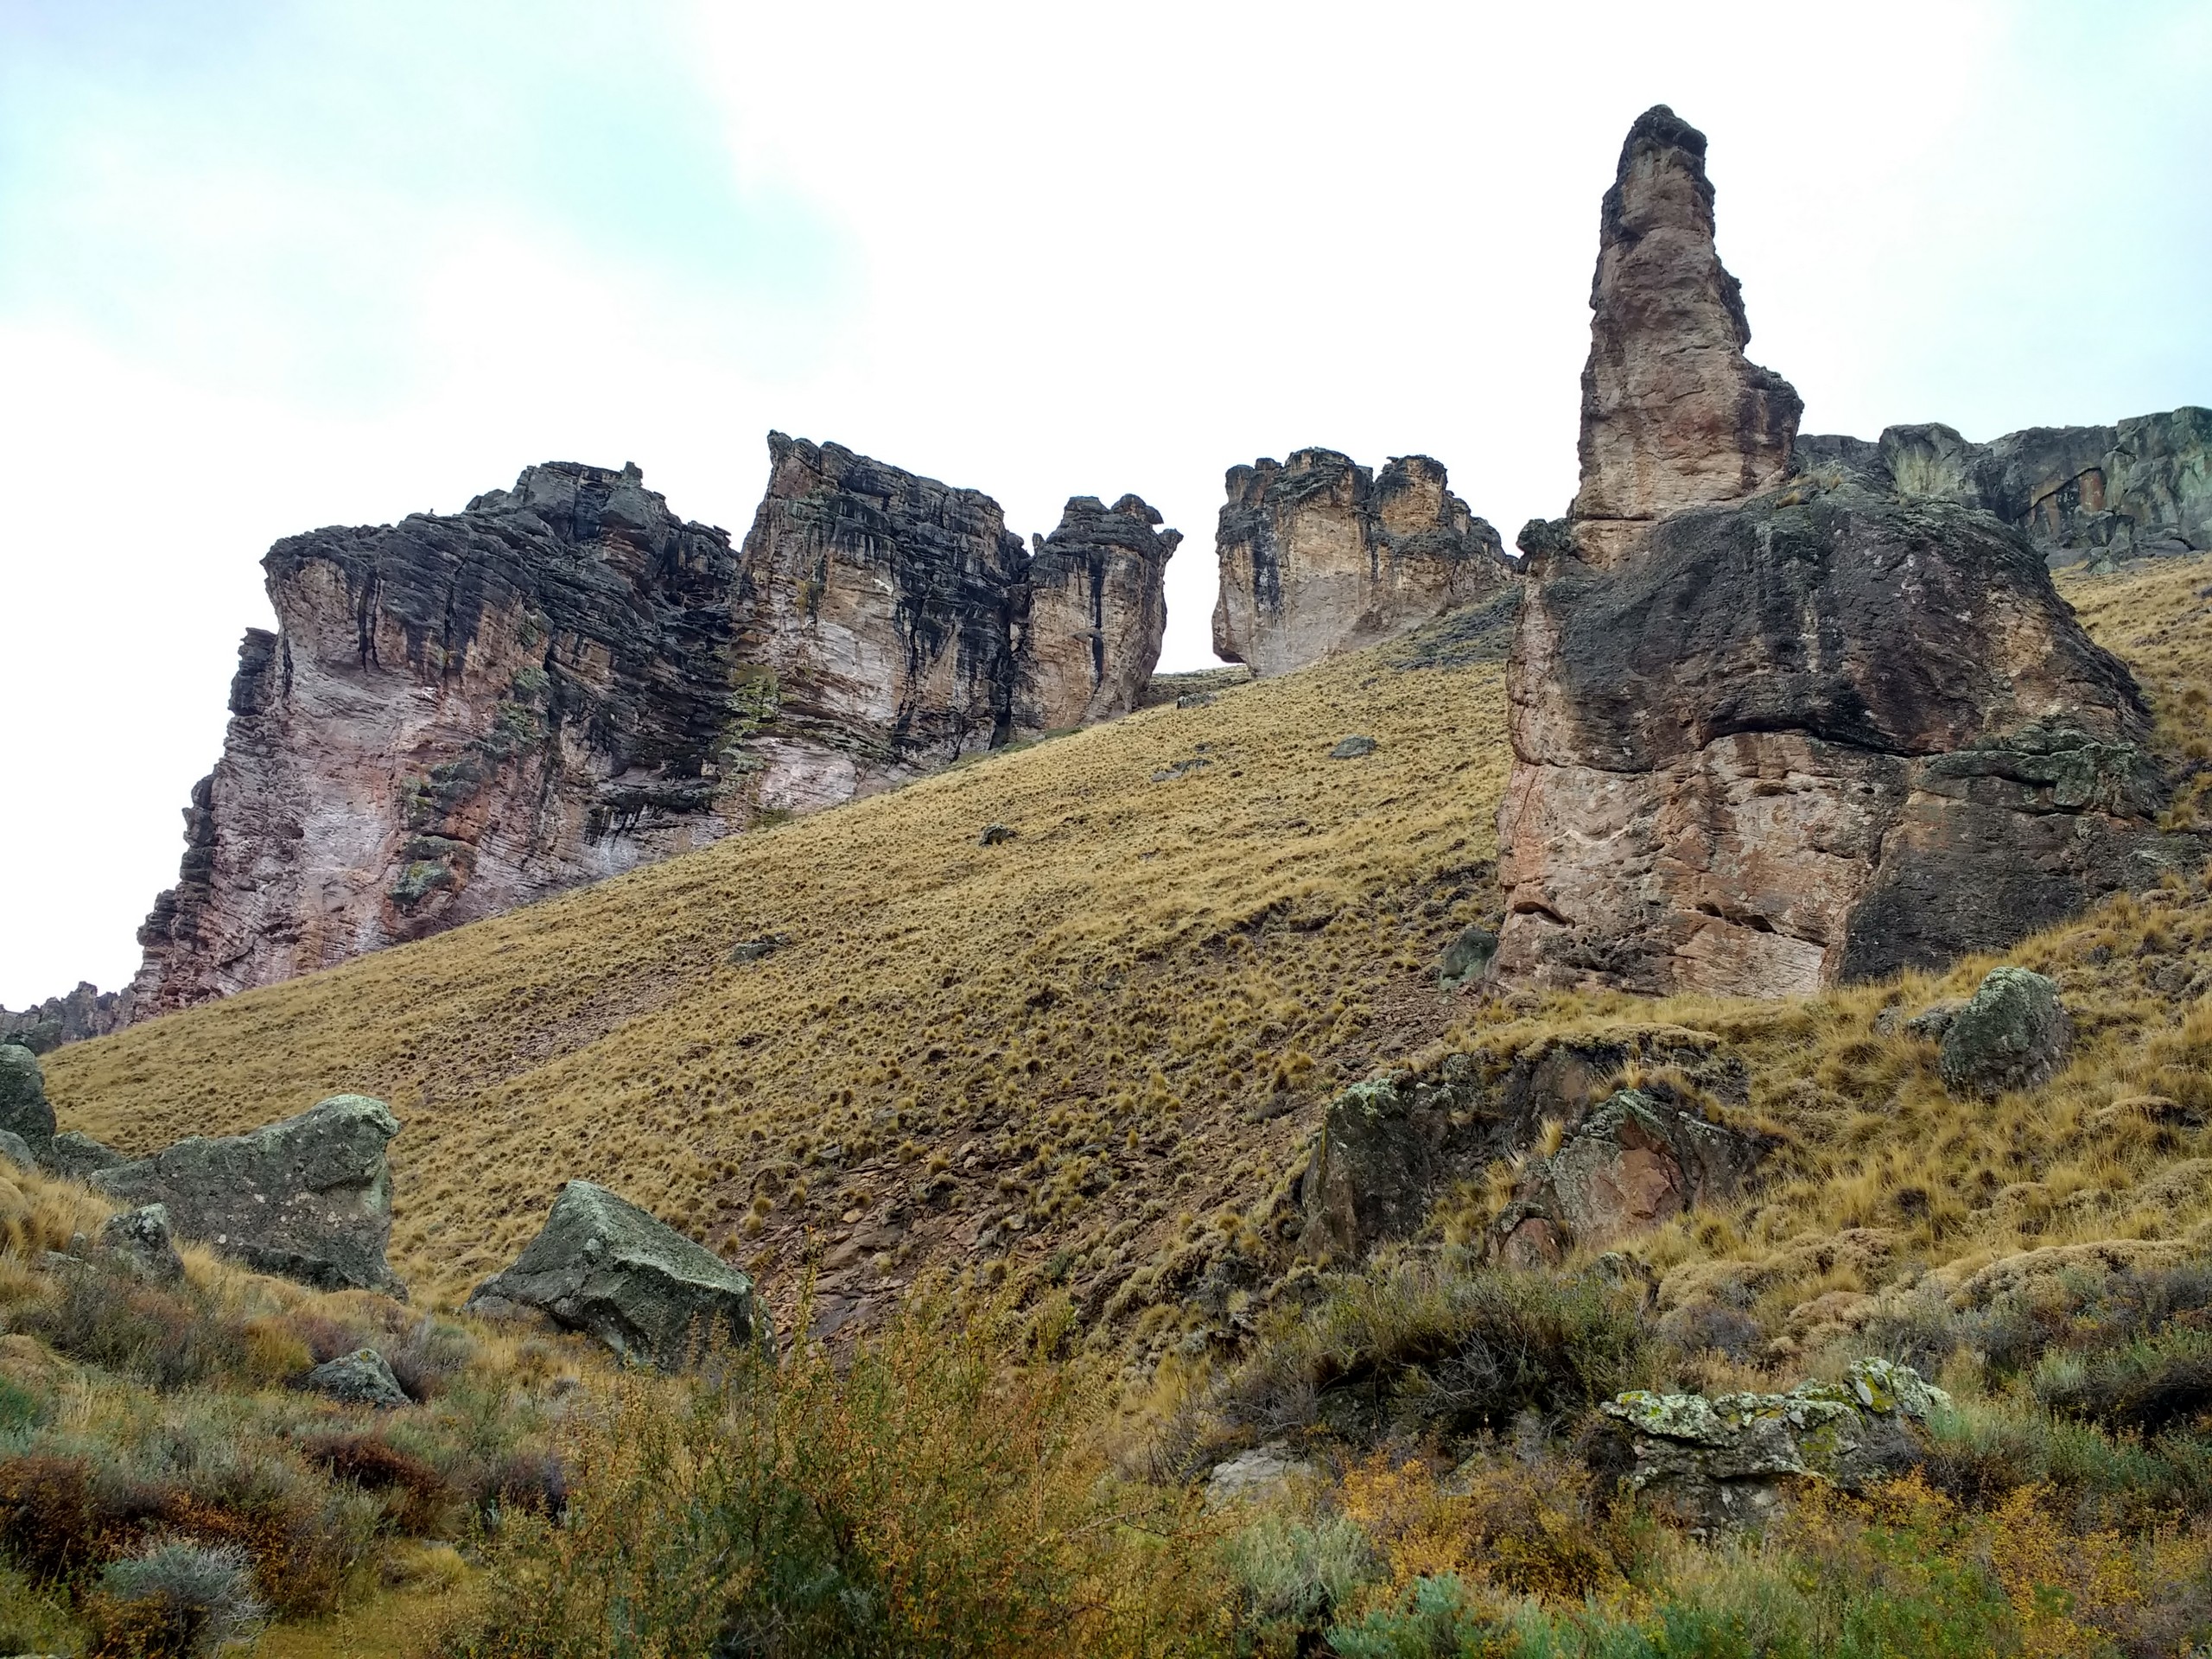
[266, 266]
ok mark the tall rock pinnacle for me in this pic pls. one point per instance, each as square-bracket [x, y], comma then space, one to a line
[1674, 415]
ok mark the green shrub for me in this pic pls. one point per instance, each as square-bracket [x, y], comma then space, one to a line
[1292, 1575]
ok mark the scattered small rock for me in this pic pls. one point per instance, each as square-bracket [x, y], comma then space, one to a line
[13, 1151]
[1194, 700]
[2014, 1033]
[363, 1378]
[1175, 769]
[753, 949]
[1352, 747]
[994, 834]
[140, 1239]
[1250, 1477]
[602, 1266]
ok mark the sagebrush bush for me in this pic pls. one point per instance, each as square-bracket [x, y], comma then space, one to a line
[176, 1600]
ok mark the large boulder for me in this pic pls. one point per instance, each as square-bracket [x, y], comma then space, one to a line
[602, 1266]
[308, 1199]
[1638, 1158]
[140, 1239]
[15, 1150]
[1724, 1463]
[80, 1157]
[363, 1378]
[23, 1107]
[2015, 1033]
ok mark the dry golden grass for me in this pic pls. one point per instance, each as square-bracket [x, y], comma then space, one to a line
[1078, 1041]
[1131, 1009]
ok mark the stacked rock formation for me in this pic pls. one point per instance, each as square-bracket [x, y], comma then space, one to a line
[2140, 489]
[1773, 732]
[1322, 554]
[462, 714]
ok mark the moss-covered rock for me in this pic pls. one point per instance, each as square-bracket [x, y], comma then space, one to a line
[2014, 1034]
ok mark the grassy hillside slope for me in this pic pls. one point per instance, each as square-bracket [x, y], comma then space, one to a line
[1201, 924]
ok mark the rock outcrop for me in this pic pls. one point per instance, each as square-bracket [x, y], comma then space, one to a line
[602, 1266]
[1390, 1147]
[1725, 1463]
[464, 713]
[308, 1199]
[1819, 733]
[1638, 1158]
[85, 1012]
[363, 1378]
[141, 1240]
[1674, 415]
[1321, 555]
[1097, 612]
[2141, 488]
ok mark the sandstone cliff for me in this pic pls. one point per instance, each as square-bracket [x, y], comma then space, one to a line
[1822, 732]
[461, 714]
[2141, 488]
[1321, 555]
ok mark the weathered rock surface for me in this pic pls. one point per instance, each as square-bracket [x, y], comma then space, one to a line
[23, 1107]
[1253, 1476]
[363, 1378]
[15, 1150]
[80, 1157]
[2141, 488]
[2014, 1033]
[602, 1266]
[85, 1012]
[307, 1198]
[1725, 1463]
[1098, 611]
[1822, 734]
[461, 714]
[1638, 1158]
[1389, 1147]
[1674, 415]
[1321, 556]
[142, 1238]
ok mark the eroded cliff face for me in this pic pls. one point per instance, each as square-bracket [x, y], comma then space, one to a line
[461, 714]
[1321, 555]
[1097, 613]
[2140, 489]
[1822, 731]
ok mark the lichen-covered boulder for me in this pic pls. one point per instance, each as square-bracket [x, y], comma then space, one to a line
[308, 1199]
[602, 1266]
[363, 1378]
[1724, 1463]
[80, 1157]
[23, 1107]
[1372, 1171]
[2014, 1033]
[141, 1240]
[13, 1150]
[1634, 1160]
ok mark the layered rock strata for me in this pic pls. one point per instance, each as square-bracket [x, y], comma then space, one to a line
[2140, 489]
[1320, 554]
[1821, 733]
[460, 714]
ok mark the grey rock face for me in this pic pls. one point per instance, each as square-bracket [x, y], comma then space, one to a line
[602, 1266]
[360, 1378]
[23, 1107]
[1251, 1477]
[1725, 1463]
[2139, 489]
[16, 1151]
[1638, 1158]
[2015, 1033]
[80, 1157]
[308, 1199]
[1467, 957]
[141, 1237]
